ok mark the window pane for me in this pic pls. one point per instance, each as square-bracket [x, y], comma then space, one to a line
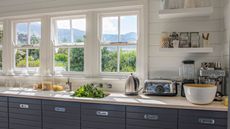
[33, 59]
[21, 58]
[1, 34]
[79, 30]
[109, 59]
[77, 59]
[63, 31]
[110, 29]
[128, 28]
[0, 59]
[61, 59]
[22, 33]
[35, 32]
[128, 59]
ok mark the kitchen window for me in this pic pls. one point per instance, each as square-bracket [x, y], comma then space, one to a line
[69, 40]
[27, 45]
[118, 43]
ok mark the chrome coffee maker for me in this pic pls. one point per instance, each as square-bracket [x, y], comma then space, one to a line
[212, 73]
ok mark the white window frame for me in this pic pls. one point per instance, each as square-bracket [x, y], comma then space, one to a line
[101, 44]
[67, 45]
[92, 44]
[15, 46]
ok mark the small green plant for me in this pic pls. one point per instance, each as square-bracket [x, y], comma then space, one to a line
[89, 91]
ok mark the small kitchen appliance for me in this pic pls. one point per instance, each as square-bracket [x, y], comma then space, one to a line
[212, 73]
[132, 85]
[160, 88]
[187, 72]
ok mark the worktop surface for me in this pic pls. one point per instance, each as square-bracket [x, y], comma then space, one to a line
[114, 98]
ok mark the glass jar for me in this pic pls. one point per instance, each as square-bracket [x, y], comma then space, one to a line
[187, 70]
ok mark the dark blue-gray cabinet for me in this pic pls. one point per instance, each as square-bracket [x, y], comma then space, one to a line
[3, 113]
[151, 118]
[196, 119]
[25, 113]
[101, 116]
[61, 115]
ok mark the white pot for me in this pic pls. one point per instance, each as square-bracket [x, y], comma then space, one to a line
[200, 93]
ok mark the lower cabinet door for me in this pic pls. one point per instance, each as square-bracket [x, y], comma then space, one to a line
[61, 115]
[102, 116]
[24, 113]
[197, 119]
[3, 113]
[151, 118]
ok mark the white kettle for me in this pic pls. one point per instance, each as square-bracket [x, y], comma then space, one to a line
[132, 85]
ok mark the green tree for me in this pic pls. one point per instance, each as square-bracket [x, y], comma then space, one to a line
[109, 60]
[127, 60]
[34, 39]
[77, 59]
[61, 58]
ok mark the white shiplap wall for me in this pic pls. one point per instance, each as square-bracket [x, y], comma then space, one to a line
[227, 31]
[160, 64]
[167, 65]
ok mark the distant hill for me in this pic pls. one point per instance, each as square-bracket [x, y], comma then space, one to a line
[64, 34]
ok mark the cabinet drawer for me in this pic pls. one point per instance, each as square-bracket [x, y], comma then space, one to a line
[61, 109]
[102, 116]
[197, 118]
[151, 118]
[61, 115]
[25, 113]
[103, 107]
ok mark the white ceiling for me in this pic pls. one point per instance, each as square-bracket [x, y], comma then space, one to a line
[14, 7]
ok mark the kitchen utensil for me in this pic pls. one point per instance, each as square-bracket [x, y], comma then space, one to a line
[187, 70]
[132, 85]
[160, 88]
[200, 93]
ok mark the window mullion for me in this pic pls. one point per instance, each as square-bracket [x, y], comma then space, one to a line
[118, 59]
[119, 28]
[28, 33]
[118, 48]
[27, 60]
[68, 59]
[71, 30]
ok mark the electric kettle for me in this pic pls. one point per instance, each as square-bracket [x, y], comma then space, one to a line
[132, 85]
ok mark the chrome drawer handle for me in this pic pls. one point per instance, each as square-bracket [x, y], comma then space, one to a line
[206, 121]
[151, 117]
[60, 109]
[24, 106]
[102, 113]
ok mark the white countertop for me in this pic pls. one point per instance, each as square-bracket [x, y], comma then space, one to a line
[114, 98]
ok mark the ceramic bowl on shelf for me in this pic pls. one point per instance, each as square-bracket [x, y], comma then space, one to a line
[200, 93]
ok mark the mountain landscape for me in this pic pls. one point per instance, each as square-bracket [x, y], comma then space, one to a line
[64, 34]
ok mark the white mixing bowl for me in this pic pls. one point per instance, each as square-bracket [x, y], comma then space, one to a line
[200, 93]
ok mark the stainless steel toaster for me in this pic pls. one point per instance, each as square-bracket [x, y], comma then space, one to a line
[160, 88]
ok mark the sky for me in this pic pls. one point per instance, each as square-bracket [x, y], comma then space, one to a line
[128, 24]
[79, 24]
[110, 24]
